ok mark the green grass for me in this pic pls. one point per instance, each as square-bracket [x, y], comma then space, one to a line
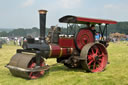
[116, 72]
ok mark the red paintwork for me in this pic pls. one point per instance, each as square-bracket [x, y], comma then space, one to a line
[96, 65]
[57, 51]
[96, 20]
[34, 75]
[84, 37]
[65, 51]
[84, 20]
[66, 42]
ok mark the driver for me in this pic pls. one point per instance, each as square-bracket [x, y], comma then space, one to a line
[93, 29]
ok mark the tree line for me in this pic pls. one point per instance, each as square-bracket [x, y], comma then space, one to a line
[121, 27]
[21, 32]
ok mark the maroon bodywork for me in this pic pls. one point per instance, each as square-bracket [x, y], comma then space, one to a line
[66, 42]
[57, 51]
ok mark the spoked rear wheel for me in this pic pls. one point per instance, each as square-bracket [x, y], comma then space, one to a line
[96, 57]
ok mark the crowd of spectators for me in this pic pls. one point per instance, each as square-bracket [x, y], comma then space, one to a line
[11, 41]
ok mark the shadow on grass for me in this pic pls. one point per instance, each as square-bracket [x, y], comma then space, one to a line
[61, 67]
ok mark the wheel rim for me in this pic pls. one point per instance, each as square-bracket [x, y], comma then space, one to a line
[32, 64]
[96, 58]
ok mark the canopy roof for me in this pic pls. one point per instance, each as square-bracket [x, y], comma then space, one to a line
[83, 20]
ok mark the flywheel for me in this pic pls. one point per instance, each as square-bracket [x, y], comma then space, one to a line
[83, 37]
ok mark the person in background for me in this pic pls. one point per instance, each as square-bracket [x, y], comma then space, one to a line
[97, 36]
[20, 41]
[93, 29]
[14, 41]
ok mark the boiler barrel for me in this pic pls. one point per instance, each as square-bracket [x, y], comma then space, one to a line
[56, 51]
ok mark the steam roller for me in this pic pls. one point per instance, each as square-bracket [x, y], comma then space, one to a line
[78, 50]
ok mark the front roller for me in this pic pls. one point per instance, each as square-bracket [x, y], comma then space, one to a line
[95, 57]
[24, 65]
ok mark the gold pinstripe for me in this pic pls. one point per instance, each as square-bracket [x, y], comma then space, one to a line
[71, 50]
[61, 52]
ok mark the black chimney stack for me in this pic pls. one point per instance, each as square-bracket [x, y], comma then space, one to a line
[42, 23]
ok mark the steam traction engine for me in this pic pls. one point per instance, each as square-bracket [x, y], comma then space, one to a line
[79, 50]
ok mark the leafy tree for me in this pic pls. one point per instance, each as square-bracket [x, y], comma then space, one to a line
[3, 34]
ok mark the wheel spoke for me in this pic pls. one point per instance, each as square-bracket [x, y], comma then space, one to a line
[30, 74]
[97, 50]
[90, 57]
[92, 51]
[94, 65]
[89, 67]
[101, 55]
[33, 65]
[98, 62]
[37, 74]
[90, 62]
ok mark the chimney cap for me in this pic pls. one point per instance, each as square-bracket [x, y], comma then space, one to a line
[43, 11]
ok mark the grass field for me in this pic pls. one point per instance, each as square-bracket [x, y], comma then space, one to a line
[116, 72]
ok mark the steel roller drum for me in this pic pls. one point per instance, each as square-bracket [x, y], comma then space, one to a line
[25, 61]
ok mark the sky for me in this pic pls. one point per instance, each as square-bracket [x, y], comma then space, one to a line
[24, 13]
